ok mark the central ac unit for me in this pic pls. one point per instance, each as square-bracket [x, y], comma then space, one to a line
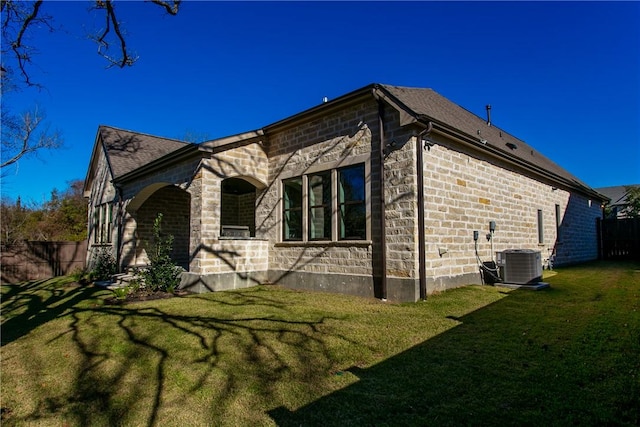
[520, 266]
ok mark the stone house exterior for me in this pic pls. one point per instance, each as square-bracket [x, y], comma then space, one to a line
[375, 193]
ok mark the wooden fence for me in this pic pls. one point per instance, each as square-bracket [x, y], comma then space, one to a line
[619, 238]
[41, 260]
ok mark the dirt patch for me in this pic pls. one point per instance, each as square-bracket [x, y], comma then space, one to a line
[144, 295]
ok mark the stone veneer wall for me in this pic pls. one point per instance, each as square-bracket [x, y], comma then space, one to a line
[102, 191]
[337, 139]
[174, 204]
[463, 192]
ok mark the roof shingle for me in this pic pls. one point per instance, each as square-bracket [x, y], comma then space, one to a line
[429, 103]
[127, 150]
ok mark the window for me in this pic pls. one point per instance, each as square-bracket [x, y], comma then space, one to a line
[558, 222]
[351, 203]
[540, 228]
[102, 223]
[292, 209]
[320, 206]
[327, 205]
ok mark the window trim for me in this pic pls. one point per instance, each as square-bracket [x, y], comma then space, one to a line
[333, 168]
[327, 205]
[300, 209]
[103, 224]
[340, 204]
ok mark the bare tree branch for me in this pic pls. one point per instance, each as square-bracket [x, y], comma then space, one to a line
[25, 135]
[103, 45]
[170, 7]
[18, 18]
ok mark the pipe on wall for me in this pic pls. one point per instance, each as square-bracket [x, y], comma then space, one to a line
[422, 271]
[383, 231]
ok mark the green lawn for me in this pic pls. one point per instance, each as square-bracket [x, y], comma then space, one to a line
[270, 356]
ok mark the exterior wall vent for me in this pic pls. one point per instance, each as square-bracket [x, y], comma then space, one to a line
[520, 266]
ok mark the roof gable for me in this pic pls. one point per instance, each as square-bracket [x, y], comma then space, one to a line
[127, 151]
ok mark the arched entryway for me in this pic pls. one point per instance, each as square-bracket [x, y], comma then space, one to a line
[175, 206]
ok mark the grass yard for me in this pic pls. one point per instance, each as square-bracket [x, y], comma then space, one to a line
[568, 355]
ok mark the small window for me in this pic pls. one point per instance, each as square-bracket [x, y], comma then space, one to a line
[558, 222]
[96, 225]
[292, 209]
[540, 227]
[320, 206]
[351, 203]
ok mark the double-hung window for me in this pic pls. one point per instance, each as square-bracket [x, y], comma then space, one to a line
[327, 205]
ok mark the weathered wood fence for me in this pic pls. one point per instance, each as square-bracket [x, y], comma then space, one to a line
[619, 238]
[41, 260]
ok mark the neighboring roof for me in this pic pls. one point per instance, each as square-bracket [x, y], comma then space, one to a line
[127, 150]
[617, 194]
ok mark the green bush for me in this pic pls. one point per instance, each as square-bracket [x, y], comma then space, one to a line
[162, 273]
[104, 265]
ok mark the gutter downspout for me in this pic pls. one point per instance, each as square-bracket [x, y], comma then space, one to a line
[383, 231]
[422, 272]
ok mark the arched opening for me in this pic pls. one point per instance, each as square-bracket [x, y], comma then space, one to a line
[175, 206]
[238, 208]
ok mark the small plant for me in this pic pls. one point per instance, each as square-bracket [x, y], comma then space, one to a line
[104, 265]
[121, 293]
[162, 273]
[135, 285]
[79, 275]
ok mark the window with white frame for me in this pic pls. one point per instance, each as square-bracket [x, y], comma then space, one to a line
[329, 204]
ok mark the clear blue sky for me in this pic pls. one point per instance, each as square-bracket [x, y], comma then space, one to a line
[564, 77]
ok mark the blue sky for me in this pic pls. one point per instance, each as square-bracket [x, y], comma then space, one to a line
[564, 77]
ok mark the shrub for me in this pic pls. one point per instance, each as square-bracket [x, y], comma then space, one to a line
[104, 265]
[162, 274]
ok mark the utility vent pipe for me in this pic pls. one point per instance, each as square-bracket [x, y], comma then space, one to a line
[488, 114]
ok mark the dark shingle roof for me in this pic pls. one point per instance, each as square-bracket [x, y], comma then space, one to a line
[127, 150]
[617, 194]
[427, 102]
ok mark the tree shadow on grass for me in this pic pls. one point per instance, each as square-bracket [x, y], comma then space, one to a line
[125, 357]
[527, 359]
[25, 306]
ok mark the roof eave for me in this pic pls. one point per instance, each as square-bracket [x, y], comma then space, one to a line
[478, 144]
[172, 157]
[320, 110]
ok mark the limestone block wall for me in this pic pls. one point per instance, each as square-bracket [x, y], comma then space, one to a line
[102, 191]
[401, 204]
[248, 162]
[183, 176]
[464, 191]
[334, 140]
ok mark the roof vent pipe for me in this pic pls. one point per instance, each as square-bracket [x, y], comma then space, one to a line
[488, 114]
